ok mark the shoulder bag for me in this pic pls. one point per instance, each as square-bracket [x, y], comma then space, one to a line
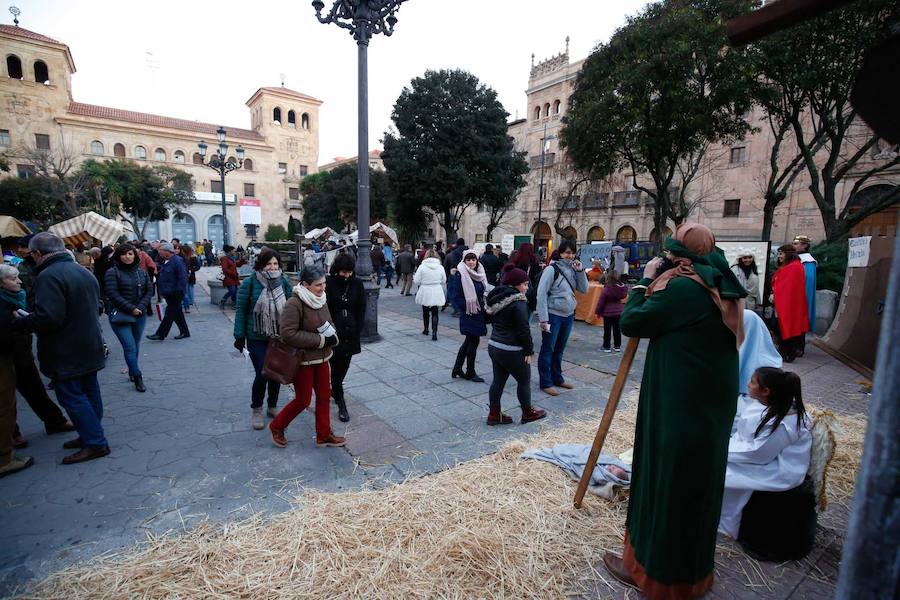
[282, 362]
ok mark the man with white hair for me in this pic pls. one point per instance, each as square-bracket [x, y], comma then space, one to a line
[70, 343]
[172, 282]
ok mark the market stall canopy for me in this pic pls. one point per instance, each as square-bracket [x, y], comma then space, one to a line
[320, 234]
[382, 230]
[87, 227]
[12, 227]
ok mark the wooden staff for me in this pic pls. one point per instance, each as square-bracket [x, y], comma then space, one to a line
[614, 394]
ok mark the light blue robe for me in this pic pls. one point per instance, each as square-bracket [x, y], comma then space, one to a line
[757, 351]
[809, 268]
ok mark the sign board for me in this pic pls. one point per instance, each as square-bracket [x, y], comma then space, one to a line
[601, 251]
[478, 248]
[251, 211]
[859, 251]
[507, 243]
[213, 197]
[760, 252]
[521, 239]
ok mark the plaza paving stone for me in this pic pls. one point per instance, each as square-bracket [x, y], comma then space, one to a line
[184, 452]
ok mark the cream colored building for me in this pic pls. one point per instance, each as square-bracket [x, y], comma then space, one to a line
[728, 196]
[39, 112]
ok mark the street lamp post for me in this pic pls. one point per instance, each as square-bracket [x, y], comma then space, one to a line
[537, 234]
[219, 164]
[363, 19]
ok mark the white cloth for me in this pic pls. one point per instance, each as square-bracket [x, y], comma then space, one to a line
[431, 279]
[308, 298]
[572, 459]
[757, 351]
[773, 461]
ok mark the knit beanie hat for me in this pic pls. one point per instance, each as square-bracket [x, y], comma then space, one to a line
[513, 276]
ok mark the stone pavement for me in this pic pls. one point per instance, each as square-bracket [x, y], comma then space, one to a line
[184, 451]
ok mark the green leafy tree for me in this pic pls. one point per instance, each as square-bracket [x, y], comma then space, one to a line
[291, 228]
[449, 150]
[31, 199]
[652, 100]
[329, 198]
[806, 74]
[275, 233]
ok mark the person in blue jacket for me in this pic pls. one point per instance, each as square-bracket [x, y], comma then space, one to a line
[466, 290]
[172, 283]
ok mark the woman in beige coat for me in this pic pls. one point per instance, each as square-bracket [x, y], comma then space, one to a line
[306, 324]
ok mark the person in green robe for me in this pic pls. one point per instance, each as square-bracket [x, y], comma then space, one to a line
[690, 307]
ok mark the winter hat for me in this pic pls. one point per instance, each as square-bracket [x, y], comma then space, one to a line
[513, 276]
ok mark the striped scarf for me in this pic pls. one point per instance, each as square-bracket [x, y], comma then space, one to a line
[270, 304]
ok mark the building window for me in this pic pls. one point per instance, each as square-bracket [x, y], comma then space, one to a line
[738, 155]
[119, 150]
[41, 73]
[276, 116]
[304, 170]
[294, 193]
[249, 190]
[248, 164]
[732, 208]
[547, 109]
[24, 171]
[178, 156]
[197, 159]
[42, 141]
[97, 148]
[140, 153]
[215, 186]
[159, 154]
[13, 67]
[292, 118]
[4, 137]
[282, 168]
[479, 237]
[304, 121]
[626, 234]
[556, 107]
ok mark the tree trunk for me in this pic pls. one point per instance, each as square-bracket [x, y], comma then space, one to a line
[773, 198]
[449, 229]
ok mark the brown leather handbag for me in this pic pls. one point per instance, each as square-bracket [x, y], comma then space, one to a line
[282, 362]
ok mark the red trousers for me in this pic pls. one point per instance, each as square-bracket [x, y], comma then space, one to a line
[308, 378]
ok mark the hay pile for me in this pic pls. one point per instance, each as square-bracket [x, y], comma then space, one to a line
[496, 527]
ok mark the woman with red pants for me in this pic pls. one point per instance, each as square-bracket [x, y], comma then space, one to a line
[306, 324]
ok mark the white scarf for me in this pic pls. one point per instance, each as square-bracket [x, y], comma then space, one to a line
[308, 298]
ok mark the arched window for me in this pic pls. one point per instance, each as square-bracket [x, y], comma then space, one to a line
[119, 151]
[184, 228]
[596, 234]
[178, 156]
[197, 159]
[97, 148]
[151, 232]
[276, 116]
[292, 118]
[547, 110]
[304, 121]
[41, 73]
[626, 233]
[13, 67]
[666, 233]
[556, 104]
[543, 231]
[232, 161]
[570, 233]
[140, 153]
[537, 113]
[248, 164]
[159, 154]
[214, 230]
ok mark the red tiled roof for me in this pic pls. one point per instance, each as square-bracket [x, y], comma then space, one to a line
[103, 112]
[30, 35]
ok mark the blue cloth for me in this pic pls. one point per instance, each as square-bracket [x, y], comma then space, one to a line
[757, 351]
[553, 344]
[809, 269]
[468, 324]
[173, 276]
[388, 254]
[129, 335]
[80, 397]
[188, 296]
[572, 459]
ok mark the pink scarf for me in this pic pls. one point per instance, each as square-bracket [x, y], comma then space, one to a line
[467, 275]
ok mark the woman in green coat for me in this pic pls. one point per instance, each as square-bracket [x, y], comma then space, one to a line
[260, 302]
[692, 313]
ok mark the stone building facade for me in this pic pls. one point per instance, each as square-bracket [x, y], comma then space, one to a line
[39, 112]
[727, 196]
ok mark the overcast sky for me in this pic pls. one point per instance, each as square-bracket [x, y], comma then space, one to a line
[202, 60]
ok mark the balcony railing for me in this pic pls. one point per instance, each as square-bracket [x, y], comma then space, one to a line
[630, 198]
[596, 200]
[567, 202]
[549, 158]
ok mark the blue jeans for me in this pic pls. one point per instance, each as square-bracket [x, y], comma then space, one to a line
[553, 344]
[80, 397]
[188, 297]
[257, 350]
[130, 335]
[231, 293]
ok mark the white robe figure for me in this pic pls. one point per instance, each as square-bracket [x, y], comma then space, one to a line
[773, 461]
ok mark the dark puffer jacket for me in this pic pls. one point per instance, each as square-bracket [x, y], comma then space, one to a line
[507, 308]
[128, 287]
[347, 305]
[468, 324]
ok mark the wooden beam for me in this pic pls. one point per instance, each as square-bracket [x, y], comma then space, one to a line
[775, 16]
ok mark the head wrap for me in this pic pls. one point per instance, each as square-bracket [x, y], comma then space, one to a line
[756, 351]
[696, 257]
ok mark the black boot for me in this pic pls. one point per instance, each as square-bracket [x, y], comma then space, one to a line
[139, 384]
[434, 322]
[343, 415]
[457, 366]
[425, 321]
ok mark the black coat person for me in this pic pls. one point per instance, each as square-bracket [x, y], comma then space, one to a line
[346, 300]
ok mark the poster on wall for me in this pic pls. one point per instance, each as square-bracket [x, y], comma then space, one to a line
[760, 252]
[251, 211]
[858, 255]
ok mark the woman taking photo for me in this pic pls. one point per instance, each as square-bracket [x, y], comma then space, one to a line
[257, 318]
[306, 324]
[129, 290]
[745, 270]
[347, 304]
[431, 278]
[511, 348]
[466, 291]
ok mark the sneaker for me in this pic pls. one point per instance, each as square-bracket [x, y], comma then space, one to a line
[566, 385]
[256, 418]
[617, 349]
[15, 465]
[607, 350]
[278, 437]
[332, 441]
[550, 391]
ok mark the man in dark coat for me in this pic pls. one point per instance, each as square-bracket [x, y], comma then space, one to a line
[173, 279]
[491, 264]
[70, 343]
[406, 265]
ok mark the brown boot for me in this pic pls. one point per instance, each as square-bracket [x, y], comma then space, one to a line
[616, 567]
[15, 465]
[550, 391]
[278, 436]
[498, 418]
[73, 444]
[86, 454]
[566, 385]
[533, 414]
[332, 441]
